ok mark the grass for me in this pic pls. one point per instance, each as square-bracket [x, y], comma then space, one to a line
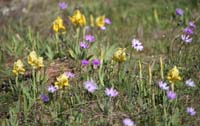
[29, 27]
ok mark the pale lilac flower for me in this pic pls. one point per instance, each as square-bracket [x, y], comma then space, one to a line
[191, 111]
[107, 21]
[84, 62]
[62, 5]
[186, 38]
[128, 122]
[83, 45]
[69, 74]
[44, 98]
[89, 38]
[137, 45]
[188, 31]
[163, 86]
[52, 89]
[103, 28]
[171, 95]
[111, 92]
[87, 28]
[190, 83]
[192, 25]
[179, 12]
[90, 86]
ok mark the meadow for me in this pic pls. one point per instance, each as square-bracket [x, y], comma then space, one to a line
[100, 63]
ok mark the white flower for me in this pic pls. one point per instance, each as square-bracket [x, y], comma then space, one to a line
[186, 38]
[137, 45]
[163, 86]
[128, 122]
[190, 83]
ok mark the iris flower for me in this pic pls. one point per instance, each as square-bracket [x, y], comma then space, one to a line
[173, 75]
[120, 55]
[18, 67]
[35, 61]
[62, 81]
[58, 25]
[78, 18]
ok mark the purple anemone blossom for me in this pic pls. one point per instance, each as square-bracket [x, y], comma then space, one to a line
[188, 31]
[52, 89]
[90, 86]
[107, 21]
[44, 98]
[137, 45]
[83, 45]
[96, 63]
[163, 86]
[89, 38]
[62, 5]
[186, 38]
[171, 95]
[111, 92]
[179, 12]
[84, 62]
[190, 83]
[191, 111]
[192, 25]
[128, 122]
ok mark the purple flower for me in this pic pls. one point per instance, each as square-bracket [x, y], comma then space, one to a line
[188, 31]
[90, 86]
[111, 92]
[107, 21]
[179, 12]
[69, 74]
[84, 62]
[52, 89]
[44, 98]
[62, 5]
[186, 38]
[190, 111]
[83, 45]
[128, 122]
[96, 62]
[137, 45]
[171, 95]
[192, 25]
[89, 38]
[190, 83]
[163, 86]
[103, 28]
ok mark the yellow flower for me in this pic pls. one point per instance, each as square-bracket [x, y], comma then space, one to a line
[100, 21]
[120, 55]
[78, 18]
[35, 61]
[173, 75]
[58, 25]
[18, 68]
[91, 21]
[62, 81]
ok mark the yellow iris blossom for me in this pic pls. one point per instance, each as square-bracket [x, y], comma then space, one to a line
[120, 55]
[173, 75]
[35, 61]
[100, 21]
[78, 18]
[62, 81]
[58, 25]
[18, 67]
